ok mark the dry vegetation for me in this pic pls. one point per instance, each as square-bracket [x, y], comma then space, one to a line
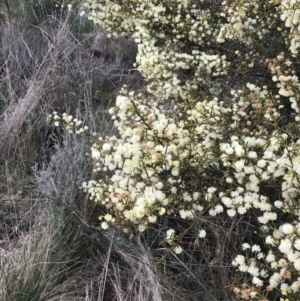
[51, 244]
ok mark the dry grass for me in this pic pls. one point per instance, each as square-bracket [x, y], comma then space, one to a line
[62, 72]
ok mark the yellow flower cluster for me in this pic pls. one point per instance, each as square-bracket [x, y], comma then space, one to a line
[158, 151]
[73, 125]
[282, 271]
[168, 34]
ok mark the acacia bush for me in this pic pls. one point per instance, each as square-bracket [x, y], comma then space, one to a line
[215, 132]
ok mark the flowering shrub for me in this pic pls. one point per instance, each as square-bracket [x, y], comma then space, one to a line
[207, 136]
